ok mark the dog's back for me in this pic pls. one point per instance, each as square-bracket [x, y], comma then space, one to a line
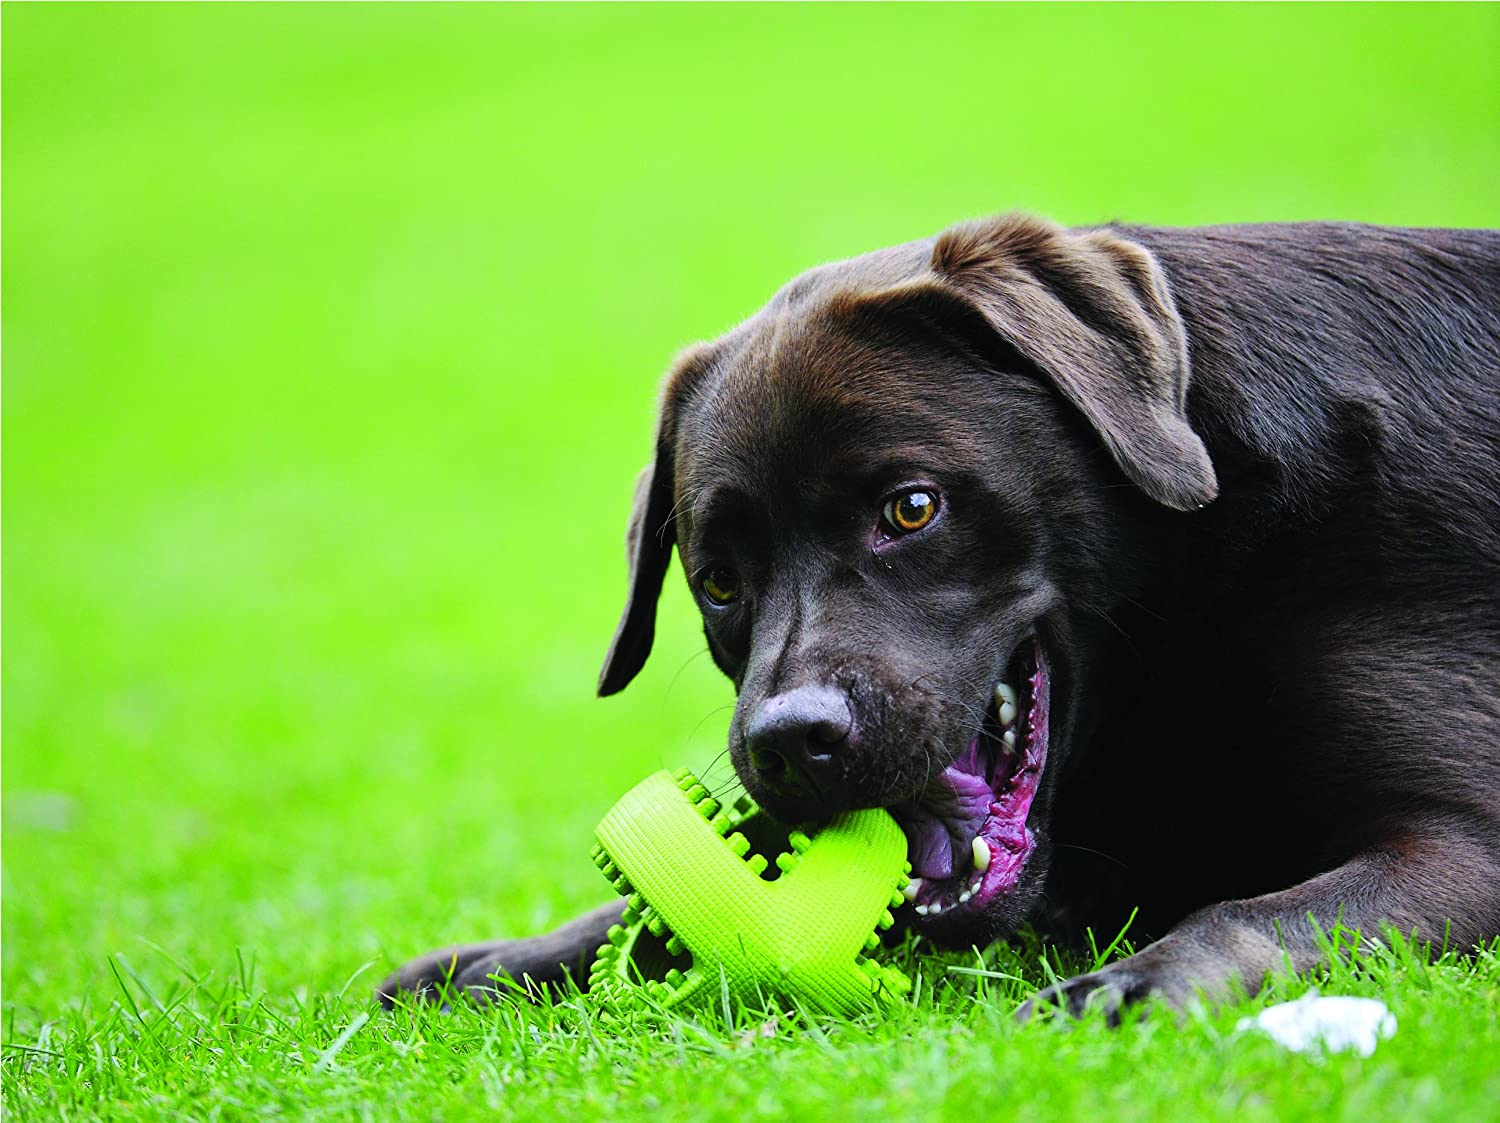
[1346, 380]
[1343, 356]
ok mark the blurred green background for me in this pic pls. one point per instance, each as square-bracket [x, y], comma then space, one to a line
[331, 335]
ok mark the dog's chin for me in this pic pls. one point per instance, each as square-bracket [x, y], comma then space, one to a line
[972, 846]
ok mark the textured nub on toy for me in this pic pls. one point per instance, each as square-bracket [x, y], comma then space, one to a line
[708, 908]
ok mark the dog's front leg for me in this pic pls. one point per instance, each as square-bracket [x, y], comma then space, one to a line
[1441, 883]
[533, 962]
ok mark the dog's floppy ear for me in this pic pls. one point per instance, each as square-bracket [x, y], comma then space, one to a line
[1093, 312]
[650, 536]
[648, 550]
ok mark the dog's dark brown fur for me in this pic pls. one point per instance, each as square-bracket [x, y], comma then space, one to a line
[1244, 483]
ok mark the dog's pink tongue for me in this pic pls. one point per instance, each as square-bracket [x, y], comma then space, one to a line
[928, 847]
[954, 808]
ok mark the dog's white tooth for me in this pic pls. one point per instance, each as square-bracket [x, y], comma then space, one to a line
[921, 910]
[912, 886]
[1007, 712]
[1010, 739]
[963, 898]
[1004, 694]
[981, 854]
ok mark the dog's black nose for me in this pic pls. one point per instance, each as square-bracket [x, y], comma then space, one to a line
[795, 738]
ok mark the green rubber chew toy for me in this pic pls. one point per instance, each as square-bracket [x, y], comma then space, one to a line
[703, 914]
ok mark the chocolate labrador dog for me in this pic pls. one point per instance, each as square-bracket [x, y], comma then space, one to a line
[1130, 568]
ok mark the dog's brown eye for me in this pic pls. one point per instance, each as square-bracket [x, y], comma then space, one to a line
[721, 585]
[909, 511]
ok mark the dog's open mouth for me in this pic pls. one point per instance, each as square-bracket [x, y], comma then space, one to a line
[967, 836]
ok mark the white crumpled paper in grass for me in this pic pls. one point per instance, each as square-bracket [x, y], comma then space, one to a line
[1314, 1024]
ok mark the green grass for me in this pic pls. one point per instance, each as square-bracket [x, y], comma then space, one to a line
[330, 341]
[171, 1041]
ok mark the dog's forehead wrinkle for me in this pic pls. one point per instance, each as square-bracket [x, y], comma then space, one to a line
[802, 433]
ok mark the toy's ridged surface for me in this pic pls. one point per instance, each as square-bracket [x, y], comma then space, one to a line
[685, 863]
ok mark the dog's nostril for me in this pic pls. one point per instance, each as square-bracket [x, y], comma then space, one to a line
[795, 738]
[767, 761]
[825, 734]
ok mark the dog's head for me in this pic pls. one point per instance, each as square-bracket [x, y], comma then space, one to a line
[890, 501]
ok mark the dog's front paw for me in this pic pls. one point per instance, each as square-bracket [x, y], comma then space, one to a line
[1109, 990]
[500, 969]
[469, 970]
